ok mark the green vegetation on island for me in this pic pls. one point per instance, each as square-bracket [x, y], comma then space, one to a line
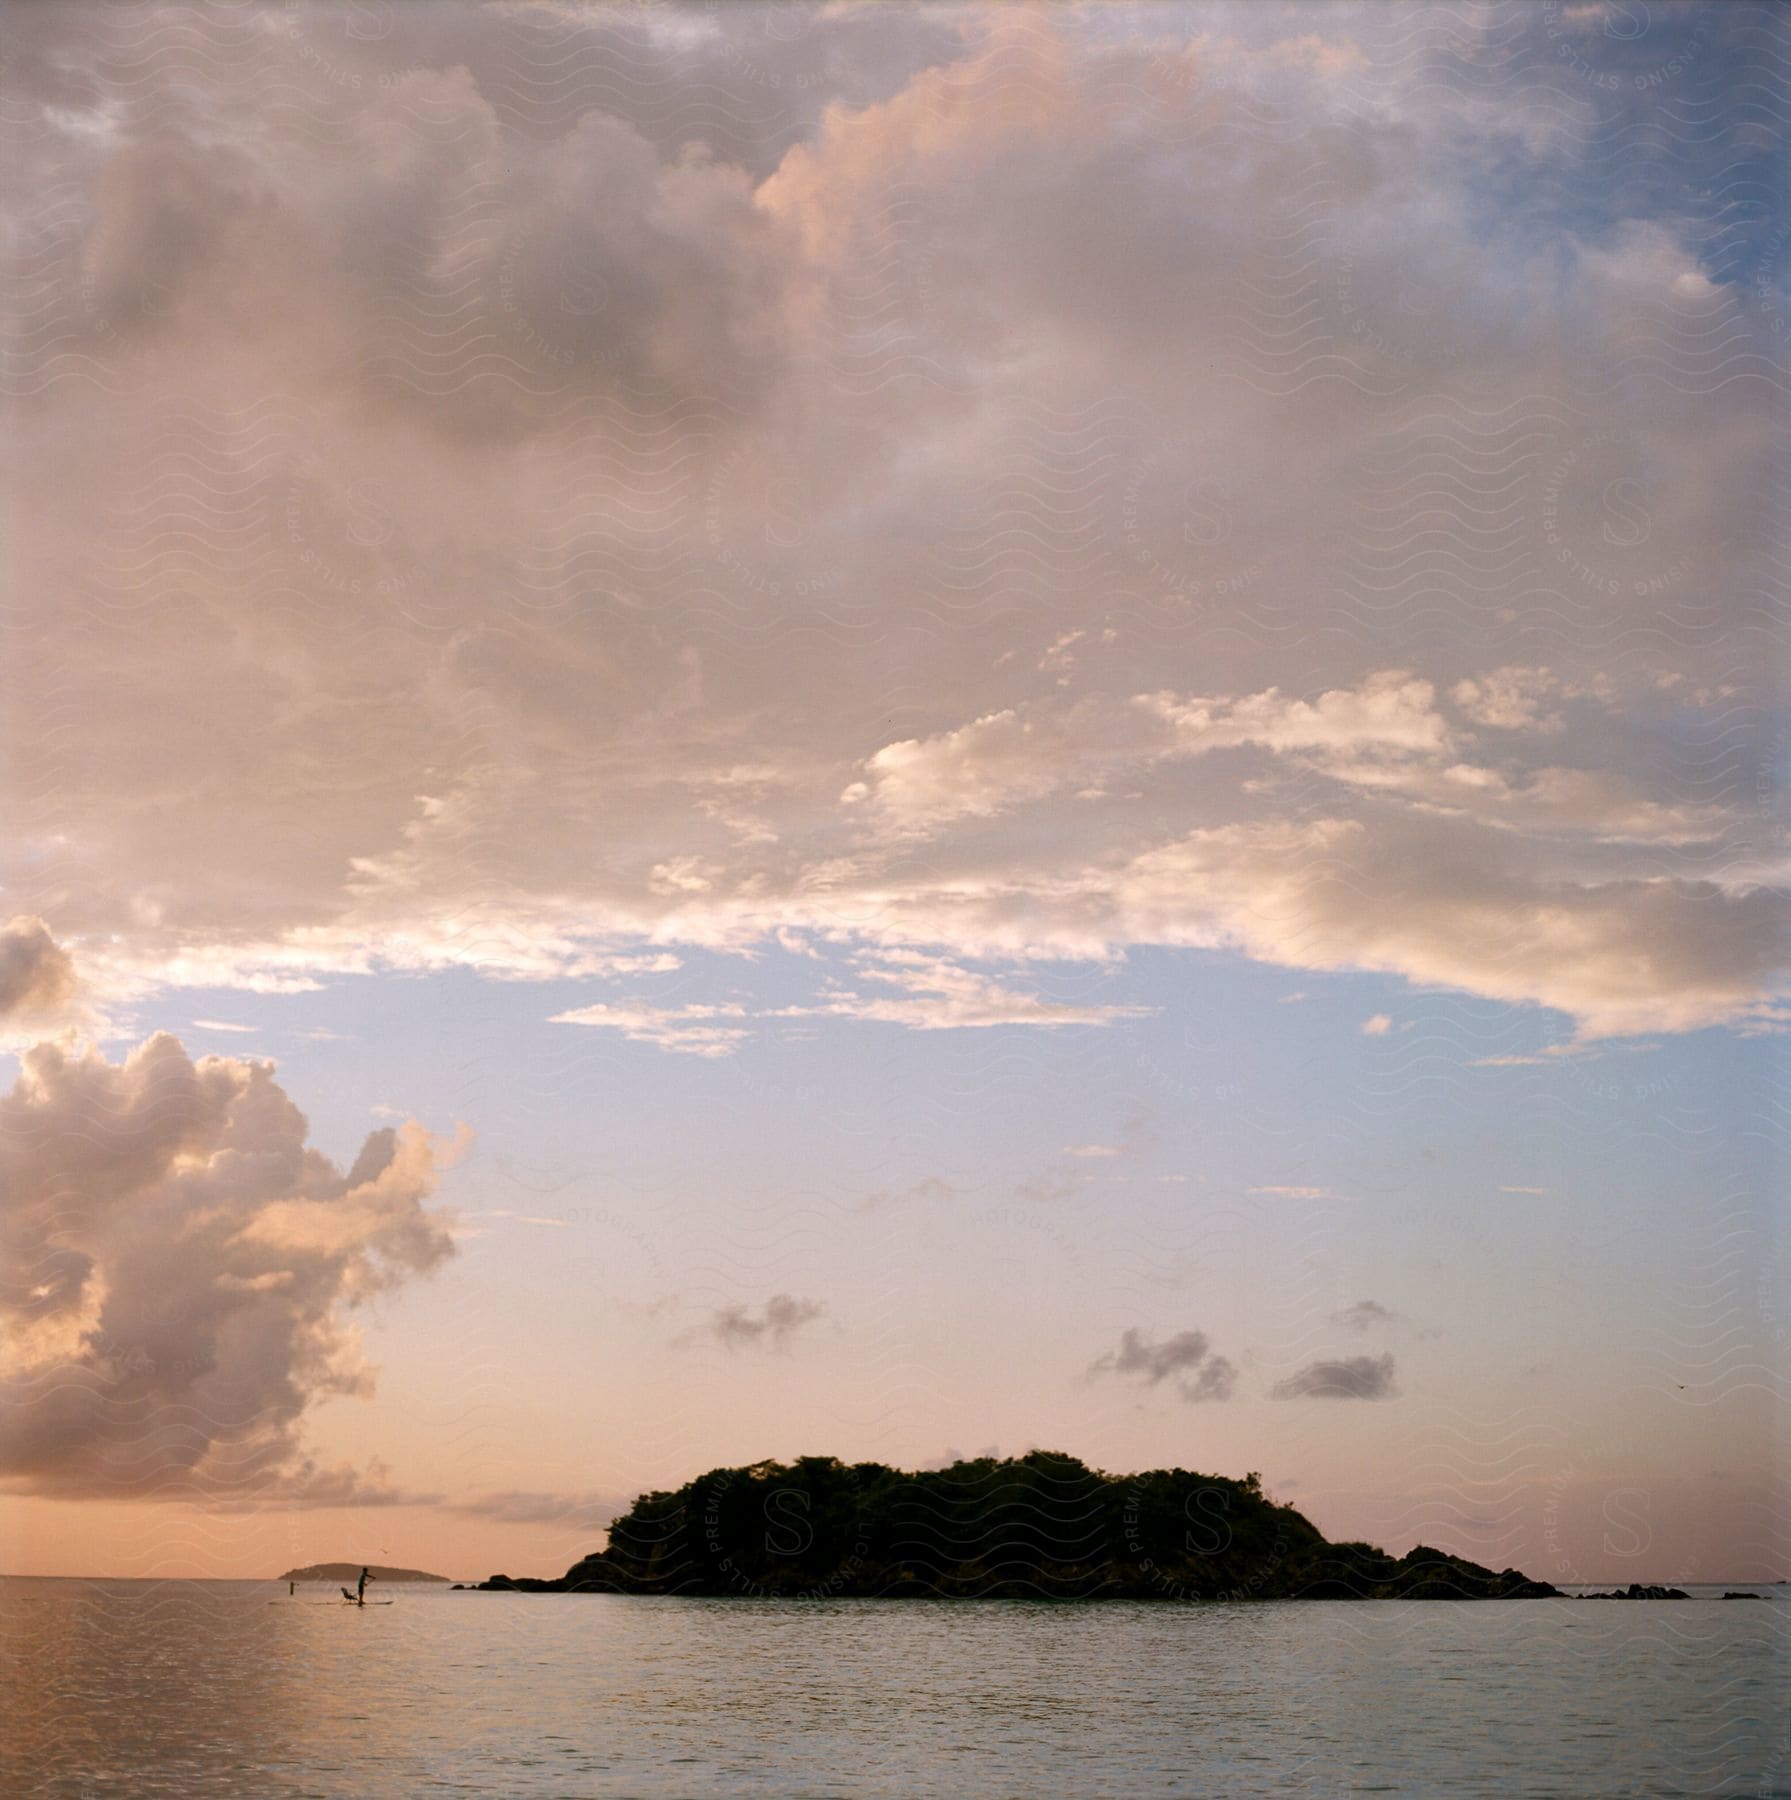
[340, 1572]
[1040, 1526]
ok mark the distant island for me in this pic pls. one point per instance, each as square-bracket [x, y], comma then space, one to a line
[1040, 1526]
[351, 1572]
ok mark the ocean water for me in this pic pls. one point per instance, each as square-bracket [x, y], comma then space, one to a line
[233, 1688]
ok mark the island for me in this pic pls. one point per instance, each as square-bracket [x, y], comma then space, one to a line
[1039, 1526]
[344, 1572]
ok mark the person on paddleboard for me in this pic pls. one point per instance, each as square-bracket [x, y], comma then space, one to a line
[360, 1587]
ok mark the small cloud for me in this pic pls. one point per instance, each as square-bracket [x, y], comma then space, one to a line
[1186, 1355]
[1137, 1355]
[1510, 699]
[609, 966]
[1345, 1378]
[929, 1187]
[221, 1025]
[1092, 1150]
[1296, 1193]
[1217, 1379]
[1366, 1314]
[1526, 1190]
[932, 993]
[781, 1317]
[1292, 999]
[1377, 1026]
[515, 1218]
[683, 875]
[1060, 653]
[696, 1030]
[1047, 1188]
[1536, 1059]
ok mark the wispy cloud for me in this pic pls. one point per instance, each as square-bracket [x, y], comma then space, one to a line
[690, 1030]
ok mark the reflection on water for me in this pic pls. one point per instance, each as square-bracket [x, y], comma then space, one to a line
[233, 1688]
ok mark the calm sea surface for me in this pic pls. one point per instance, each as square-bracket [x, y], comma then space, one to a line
[232, 1688]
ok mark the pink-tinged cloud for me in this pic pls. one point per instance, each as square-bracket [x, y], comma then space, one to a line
[462, 531]
[179, 1273]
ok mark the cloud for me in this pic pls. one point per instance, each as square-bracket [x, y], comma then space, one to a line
[179, 1269]
[691, 1030]
[1366, 1314]
[515, 1218]
[1622, 956]
[935, 995]
[1346, 1378]
[1187, 1356]
[713, 473]
[1093, 1151]
[1574, 1050]
[1509, 699]
[1391, 713]
[975, 771]
[1371, 1315]
[37, 976]
[775, 1323]
[1377, 1025]
[1216, 1381]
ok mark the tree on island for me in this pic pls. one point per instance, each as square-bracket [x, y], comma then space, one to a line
[1039, 1526]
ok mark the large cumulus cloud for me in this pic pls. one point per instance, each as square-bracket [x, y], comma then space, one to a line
[513, 482]
[179, 1271]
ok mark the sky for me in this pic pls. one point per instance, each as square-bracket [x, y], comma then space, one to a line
[896, 731]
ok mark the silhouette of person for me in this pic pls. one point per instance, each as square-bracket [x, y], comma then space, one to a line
[360, 1587]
